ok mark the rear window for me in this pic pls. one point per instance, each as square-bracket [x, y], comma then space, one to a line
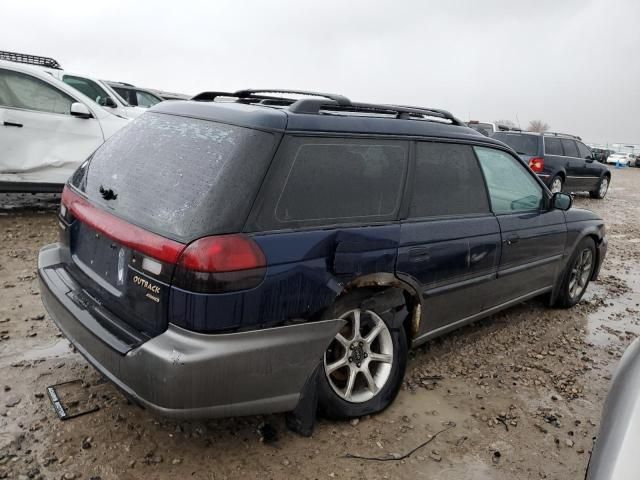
[181, 177]
[522, 143]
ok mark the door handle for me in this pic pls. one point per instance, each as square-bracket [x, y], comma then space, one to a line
[513, 238]
[12, 124]
[419, 254]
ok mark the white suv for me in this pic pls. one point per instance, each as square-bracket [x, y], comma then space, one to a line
[100, 92]
[47, 129]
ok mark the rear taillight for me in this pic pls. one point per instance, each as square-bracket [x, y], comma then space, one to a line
[214, 264]
[220, 264]
[536, 164]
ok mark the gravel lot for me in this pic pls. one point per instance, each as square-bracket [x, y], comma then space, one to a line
[520, 392]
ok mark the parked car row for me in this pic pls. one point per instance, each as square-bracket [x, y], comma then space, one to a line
[300, 247]
[51, 120]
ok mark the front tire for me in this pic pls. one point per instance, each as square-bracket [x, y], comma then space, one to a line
[601, 190]
[578, 273]
[364, 365]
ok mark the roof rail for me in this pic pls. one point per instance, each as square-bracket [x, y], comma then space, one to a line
[30, 59]
[558, 134]
[210, 96]
[250, 92]
[326, 102]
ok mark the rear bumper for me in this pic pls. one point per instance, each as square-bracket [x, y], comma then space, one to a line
[185, 374]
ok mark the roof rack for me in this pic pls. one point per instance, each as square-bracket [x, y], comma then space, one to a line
[327, 103]
[558, 134]
[30, 59]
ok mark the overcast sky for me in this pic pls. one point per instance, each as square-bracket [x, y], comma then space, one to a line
[574, 64]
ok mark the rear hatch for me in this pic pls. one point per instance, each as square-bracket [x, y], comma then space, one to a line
[153, 188]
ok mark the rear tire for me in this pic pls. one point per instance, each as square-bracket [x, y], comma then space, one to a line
[362, 371]
[577, 274]
[556, 184]
[601, 190]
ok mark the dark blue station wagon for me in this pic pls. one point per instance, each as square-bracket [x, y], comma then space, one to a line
[216, 255]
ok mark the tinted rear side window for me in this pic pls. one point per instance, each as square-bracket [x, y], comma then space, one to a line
[552, 146]
[333, 181]
[177, 176]
[447, 181]
[522, 143]
[570, 148]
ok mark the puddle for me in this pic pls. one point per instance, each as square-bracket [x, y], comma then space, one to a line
[618, 318]
[60, 348]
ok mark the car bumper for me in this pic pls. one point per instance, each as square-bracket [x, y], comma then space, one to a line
[185, 374]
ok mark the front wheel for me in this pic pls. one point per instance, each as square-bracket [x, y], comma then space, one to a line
[578, 273]
[364, 364]
[601, 189]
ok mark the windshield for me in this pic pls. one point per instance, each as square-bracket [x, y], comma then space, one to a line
[522, 143]
[180, 177]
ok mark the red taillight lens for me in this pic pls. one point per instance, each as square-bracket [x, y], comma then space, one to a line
[536, 164]
[219, 264]
[224, 253]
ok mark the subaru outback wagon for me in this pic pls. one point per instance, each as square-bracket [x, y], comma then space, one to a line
[216, 254]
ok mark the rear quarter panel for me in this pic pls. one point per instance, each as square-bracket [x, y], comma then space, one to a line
[306, 271]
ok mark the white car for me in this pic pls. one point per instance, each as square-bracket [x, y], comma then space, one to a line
[47, 129]
[100, 92]
[624, 159]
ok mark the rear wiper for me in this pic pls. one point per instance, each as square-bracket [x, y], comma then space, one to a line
[107, 193]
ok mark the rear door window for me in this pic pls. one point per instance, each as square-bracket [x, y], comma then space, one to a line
[447, 181]
[553, 146]
[570, 148]
[333, 181]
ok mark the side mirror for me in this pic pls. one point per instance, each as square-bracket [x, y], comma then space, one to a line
[80, 110]
[589, 158]
[561, 201]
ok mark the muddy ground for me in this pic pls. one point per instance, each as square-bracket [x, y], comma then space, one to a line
[520, 392]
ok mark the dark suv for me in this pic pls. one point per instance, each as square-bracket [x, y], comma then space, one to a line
[563, 162]
[218, 257]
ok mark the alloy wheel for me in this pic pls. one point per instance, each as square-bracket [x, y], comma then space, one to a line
[556, 185]
[358, 362]
[580, 273]
[604, 186]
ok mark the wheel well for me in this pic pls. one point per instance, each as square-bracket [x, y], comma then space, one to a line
[386, 281]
